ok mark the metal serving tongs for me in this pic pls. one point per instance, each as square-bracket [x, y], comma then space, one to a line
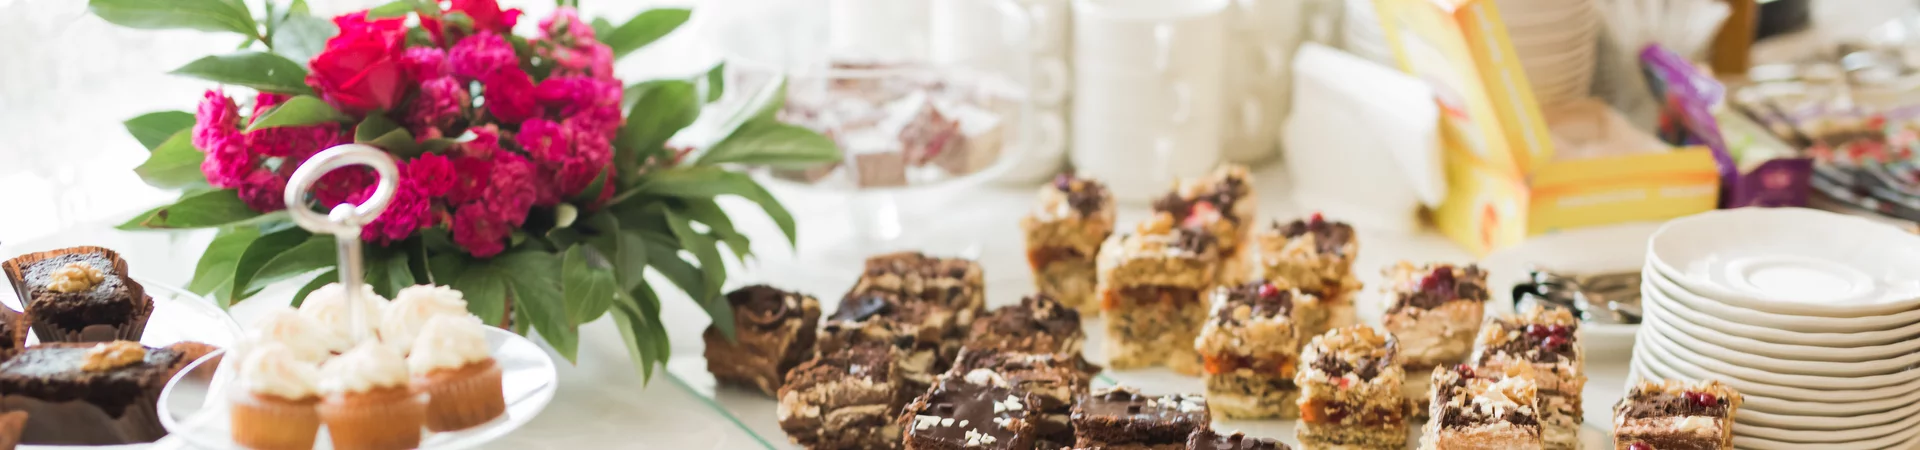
[345, 220]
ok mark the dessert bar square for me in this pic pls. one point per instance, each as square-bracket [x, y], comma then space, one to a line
[843, 400]
[79, 294]
[1434, 311]
[1206, 439]
[774, 330]
[956, 284]
[1037, 325]
[1055, 380]
[1120, 418]
[1151, 287]
[1248, 348]
[1482, 411]
[1350, 392]
[1548, 340]
[1670, 415]
[976, 410]
[1308, 252]
[1222, 205]
[89, 393]
[1064, 232]
[917, 328]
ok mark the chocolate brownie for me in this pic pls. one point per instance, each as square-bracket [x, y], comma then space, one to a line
[844, 399]
[89, 393]
[774, 330]
[80, 294]
[13, 332]
[1055, 380]
[1039, 324]
[976, 410]
[1206, 439]
[1121, 418]
[1670, 415]
[918, 329]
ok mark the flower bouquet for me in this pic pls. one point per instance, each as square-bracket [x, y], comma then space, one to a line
[531, 178]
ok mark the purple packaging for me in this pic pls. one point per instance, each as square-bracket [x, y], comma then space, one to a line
[1686, 118]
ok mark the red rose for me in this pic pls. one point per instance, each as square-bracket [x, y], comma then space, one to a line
[485, 14]
[361, 68]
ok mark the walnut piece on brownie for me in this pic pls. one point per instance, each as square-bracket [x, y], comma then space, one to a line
[1548, 340]
[1434, 310]
[1151, 286]
[917, 329]
[843, 400]
[1055, 380]
[1479, 410]
[1249, 353]
[1039, 324]
[1350, 391]
[1220, 204]
[1121, 418]
[774, 330]
[976, 410]
[1671, 415]
[1064, 232]
[1206, 439]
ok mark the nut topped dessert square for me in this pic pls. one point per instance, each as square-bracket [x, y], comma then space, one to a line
[1064, 231]
[1307, 252]
[1054, 379]
[1121, 418]
[1475, 410]
[1151, 287]
[917, 328]
[1434, 311]
[79, 294]
[1350, 391]
[774, 330]
[1220, 204]
[89, 393]
[843, 400]
[956, 284]
[1670, 415]
[1037, 325]
[976, 410]
[1206, 439]
[1249, 353]
[1548, 341]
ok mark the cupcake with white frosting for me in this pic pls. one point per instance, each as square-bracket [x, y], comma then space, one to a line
[453, 364]
[410, 309]
[303, 337]
[275, 409]
[334, 309]
[367, 402]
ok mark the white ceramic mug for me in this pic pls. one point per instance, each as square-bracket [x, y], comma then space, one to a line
[1147, 106]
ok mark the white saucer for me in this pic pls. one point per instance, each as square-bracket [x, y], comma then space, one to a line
[1804, 324]
[1800, 388]
[1902, 441]
[1678, 335]
[1792, 261]
[1796, 422]
[1654, 294]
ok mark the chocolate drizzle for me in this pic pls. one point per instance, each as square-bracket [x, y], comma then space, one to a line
[1265, 299]
[1221, 195]
[1084, 195]
[1648, 405]
[1194, 241]
[1329, 238]
[1365, 367]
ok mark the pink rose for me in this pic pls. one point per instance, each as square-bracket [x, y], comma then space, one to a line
[360, 70]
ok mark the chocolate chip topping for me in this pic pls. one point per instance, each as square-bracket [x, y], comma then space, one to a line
[965, 414]
[1441, 286]
[1468, 414]
[1329, 238]
[1222, 195]
[1648, 405]
[1540, 343]
[861, 307]
[1265, 299]
[1084, 195]
[1365, 367]
[764, 305]
[1206, 439]
[1036, 314]
[1194, 241]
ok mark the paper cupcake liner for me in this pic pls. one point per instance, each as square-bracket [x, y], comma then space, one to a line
[77, 422]
[268, 423]
[16, 269]
[133, 330]
[385, 419]
[463, 398]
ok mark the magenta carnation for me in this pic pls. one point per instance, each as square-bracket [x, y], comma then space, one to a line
[470, 176]
[509, 95]
[216, 120]
[545, 141]
[425, 63]
[263, 190]
[432, 172]
[485, 142]
[409, 211]
[441, 103]
[481, 55]
[483, 225]
[227, 165]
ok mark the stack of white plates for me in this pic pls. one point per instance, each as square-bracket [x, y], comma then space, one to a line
[1813, 316]
[1361, 34]
[1556, 41]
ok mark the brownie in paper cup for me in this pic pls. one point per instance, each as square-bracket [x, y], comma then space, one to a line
[71, 401]
[79, 294]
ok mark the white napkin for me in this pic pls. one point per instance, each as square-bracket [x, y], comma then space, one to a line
[1366, 144]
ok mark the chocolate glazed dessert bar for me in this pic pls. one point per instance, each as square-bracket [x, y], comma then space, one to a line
[954, 285]
[1221, 205]
[79, 294]
[1120, 418]
[1316, 256]
[1248, 349]
[1670, 415]
[1483, 411]
[88, 393]
[1206, 439]
[916, 329]
[843, 400]
[1037, 325]
[1054, 379]
[1549, 342]
[1151, 287]
[1350, 392]
[977, 410]
[1064, 231]
[774, 330]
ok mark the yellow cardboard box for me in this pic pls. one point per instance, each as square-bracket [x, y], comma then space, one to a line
[1503, 184]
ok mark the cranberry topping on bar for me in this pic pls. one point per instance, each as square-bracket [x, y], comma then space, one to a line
[1083, 195]
[1542, 336]
[1646, 405]
[1221, 195]
[1441, 285]
[1329, 238]
[1266, 300]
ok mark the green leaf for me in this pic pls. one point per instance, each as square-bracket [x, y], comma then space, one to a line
[484, 287]
[713, 271]
[298, 8]
[264, 71]
[175, 164]
[261, 250]
[218, 261]
[153, 128]
[198, 210]
[589, 290]
[719, 225]
[390, 10]
[660, 109]
[643, 29]
[203, 15]
[709, 182]
[315, 253]
[298, 111]
[534, 279]
[663, 255]
[716, 82]
[624, 250]
[772, 143]
[329, 276]
[302, 36]
[388, 274]
[601, 26]
[642, 334]
[379, 131]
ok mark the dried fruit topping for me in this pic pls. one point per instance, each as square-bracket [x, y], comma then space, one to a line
[1269, 290]
[1441, 281]
[1063, 182]
[1554, 343]
[1317, 220]
[1639, 446]
[1702, 399]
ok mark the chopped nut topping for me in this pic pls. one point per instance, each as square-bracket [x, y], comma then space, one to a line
[75, 277]
[113, 355]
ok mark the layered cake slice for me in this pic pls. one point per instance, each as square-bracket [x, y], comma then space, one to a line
[1670, 415]
[1434, 311]
[1151, 286]
[1054, 379]
[1248, 350]
[917, 329]
[1064, 232]
[1548, 341]
[79, 294]
[1316, 256]
[1037, 325]
[1481, 411]
[1121, 418]
[1350, 392]
[844, 399]
[976, 410]
[774, 330]
[1206, 439]
[1220, 204]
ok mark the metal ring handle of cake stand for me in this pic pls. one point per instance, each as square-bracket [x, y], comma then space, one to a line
[345, 220]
